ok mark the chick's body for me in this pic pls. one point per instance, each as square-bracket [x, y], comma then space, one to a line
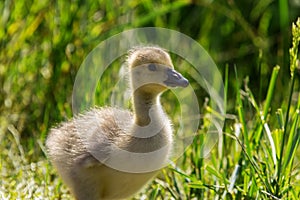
[80, 165]
[111, 153]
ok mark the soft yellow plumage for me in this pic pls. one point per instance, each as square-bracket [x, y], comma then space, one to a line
[85, 149]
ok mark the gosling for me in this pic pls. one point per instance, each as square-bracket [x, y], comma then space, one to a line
[111, 153]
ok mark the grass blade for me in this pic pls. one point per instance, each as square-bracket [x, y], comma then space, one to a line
[284, 136]
[268, 101]
[269, 135]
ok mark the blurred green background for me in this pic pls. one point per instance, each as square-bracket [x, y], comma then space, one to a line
[43, 43]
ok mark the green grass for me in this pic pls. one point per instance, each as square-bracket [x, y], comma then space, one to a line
[43, 43]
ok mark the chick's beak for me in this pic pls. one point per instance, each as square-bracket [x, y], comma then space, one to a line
[175, 79]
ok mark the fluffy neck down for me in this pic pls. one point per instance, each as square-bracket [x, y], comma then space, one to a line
[147, 108]
[151, 128]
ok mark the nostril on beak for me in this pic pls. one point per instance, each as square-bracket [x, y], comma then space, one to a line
[177, 76]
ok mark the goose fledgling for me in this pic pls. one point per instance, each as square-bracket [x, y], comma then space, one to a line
[111, 153]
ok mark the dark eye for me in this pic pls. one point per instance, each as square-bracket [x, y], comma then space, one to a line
[152, 67]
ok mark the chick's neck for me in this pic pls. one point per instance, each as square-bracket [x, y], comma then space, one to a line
[143, 104]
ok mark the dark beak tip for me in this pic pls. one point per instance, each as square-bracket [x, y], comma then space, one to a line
[178, 83]
[185, 83]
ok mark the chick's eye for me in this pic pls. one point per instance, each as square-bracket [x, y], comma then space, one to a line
[152, 67]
